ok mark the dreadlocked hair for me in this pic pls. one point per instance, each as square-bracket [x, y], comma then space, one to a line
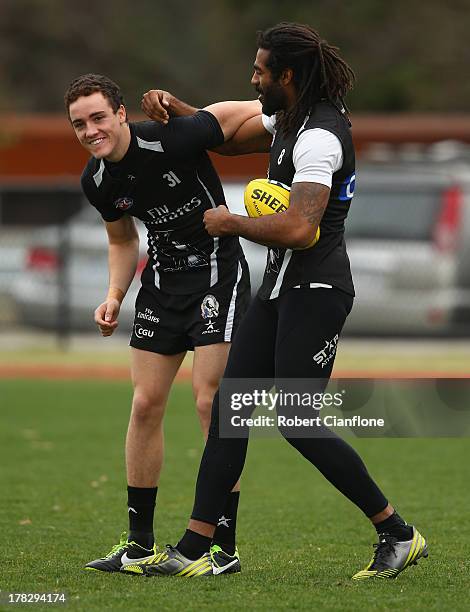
[318, 70]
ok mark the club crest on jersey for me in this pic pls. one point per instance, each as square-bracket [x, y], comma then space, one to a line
[210, 307]
[124, 203]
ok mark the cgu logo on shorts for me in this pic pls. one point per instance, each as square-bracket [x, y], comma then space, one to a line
[142, 332]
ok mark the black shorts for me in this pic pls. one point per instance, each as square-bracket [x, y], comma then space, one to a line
[170, 324]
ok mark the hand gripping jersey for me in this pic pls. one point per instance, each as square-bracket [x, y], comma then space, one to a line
[327, 262]
[167, 180]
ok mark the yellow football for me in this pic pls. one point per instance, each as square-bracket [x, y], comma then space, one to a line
[264, 197]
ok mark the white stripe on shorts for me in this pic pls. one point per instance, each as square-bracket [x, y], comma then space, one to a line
[280, 278]
[156, 277]
[214, 270]
[315, 286]
[231, 308]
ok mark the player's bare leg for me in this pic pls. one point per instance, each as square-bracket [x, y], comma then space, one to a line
[208, 368]
[152, 377]
[205, 529]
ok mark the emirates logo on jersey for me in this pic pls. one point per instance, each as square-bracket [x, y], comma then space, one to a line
[124, 203]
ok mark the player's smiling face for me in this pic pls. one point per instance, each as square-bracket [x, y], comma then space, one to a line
[103, 132]
[272, 94]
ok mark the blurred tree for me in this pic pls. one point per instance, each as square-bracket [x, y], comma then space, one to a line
[407, 55]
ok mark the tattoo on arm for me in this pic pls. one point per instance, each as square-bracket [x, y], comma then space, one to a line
[310, 199]
[293, 228]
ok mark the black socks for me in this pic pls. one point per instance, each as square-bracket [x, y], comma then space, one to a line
[395, 526]
[141, 508]
[224, 534]
[193, 545]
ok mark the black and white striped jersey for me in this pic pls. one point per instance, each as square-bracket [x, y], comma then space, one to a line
[167, 180]
[321, 151]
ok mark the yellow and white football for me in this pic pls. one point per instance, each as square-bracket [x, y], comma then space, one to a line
[264, 197]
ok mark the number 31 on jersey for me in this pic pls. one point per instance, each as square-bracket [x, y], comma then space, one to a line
[172, 179]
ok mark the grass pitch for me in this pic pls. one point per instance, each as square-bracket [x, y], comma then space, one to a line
[64, 503]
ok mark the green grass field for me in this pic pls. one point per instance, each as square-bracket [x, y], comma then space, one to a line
[63, 503]
[372, 355]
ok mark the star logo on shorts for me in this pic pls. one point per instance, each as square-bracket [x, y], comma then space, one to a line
[210, 328]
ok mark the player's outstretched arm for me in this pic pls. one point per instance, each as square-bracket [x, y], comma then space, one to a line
[123, 255]
[241, 122]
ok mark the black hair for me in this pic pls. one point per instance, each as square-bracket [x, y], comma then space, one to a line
[88, 84]
[318, 70]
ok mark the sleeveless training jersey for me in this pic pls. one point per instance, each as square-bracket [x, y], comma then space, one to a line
[327, 262]
[167, 180]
